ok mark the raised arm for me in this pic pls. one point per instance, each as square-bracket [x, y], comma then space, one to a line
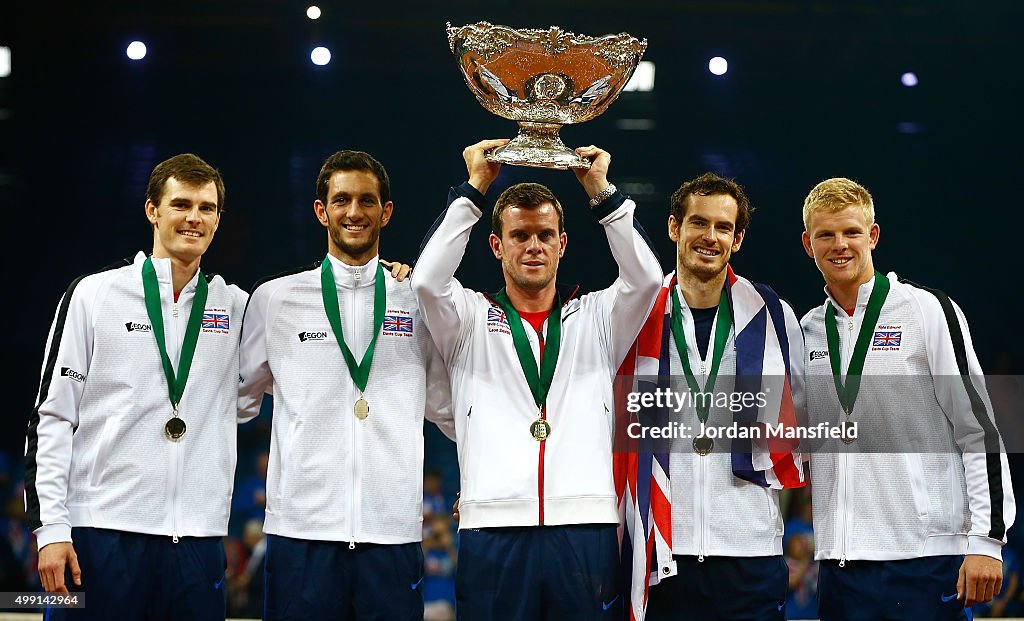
[440, 296]
[438, 406]
[630, 298]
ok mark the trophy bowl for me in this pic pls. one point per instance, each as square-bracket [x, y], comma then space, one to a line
[543, 79]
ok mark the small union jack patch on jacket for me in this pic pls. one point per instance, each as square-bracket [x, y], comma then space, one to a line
[496, 315]
[216, 320]
[397, 324]
[887, 338]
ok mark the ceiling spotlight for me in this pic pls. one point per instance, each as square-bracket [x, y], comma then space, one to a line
[909, 79]
[320, 56]
[5, 61]
[136, 50]
[643, 78]
[718, 65]
[313, 12]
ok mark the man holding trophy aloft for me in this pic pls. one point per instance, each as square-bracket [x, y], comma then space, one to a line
[531, 366]
[531, 371]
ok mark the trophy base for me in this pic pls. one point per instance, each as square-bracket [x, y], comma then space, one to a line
[538, 145]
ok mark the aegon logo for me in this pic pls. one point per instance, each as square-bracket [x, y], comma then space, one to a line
[73, 374]
[817, 355]
[138, 327]
[312, 336]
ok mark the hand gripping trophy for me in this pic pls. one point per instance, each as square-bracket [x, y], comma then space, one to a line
[543, 79]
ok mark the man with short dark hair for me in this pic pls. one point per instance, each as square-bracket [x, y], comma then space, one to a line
[342, 347]
[131, 446]
[531, 373]
[715, 334]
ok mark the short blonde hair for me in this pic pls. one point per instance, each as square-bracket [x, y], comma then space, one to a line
[836, 194]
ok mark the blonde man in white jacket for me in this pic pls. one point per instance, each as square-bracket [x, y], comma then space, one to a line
[910, 517]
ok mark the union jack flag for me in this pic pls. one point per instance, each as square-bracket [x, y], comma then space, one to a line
[496, 315]
[887, 339]
[642, 475]
[398, 323]
[215, 321]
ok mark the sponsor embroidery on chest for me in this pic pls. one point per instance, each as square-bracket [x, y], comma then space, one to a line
[887, 337]
[397, 322]
[312, 335]
[135, 326]
[496, 320]
[216, 321]
[817, 354]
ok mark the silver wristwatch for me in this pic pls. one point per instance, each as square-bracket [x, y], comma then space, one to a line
[603, 194]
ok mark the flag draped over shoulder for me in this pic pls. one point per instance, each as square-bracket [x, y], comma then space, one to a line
[642, 474]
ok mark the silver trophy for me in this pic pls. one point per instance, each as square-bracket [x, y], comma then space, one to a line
[543, 79]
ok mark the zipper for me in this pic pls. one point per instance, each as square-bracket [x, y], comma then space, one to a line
[357, 484]
[844, 482]
[703, 504]
[543, 444]
[174, 491]
[175, 341]
[356, 487]
[710, 351]
[691, 337]
[847, 349]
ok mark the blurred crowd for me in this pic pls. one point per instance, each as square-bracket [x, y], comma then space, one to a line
[245, 546]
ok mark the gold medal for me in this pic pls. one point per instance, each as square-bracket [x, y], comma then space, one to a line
[848, 431]
[174, 428]
[540, 429]
[702, 445]
[362, 409]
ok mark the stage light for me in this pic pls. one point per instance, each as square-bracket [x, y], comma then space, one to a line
[643, 78]
[320, 56]
[5, 61]
[136, 50]
[909, 79]
[313, 12]
[635, 124]
[718, 65]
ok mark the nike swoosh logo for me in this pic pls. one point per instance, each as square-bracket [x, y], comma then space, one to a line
[217, 584]
[415, 585]
[608, 605]
[946, 598]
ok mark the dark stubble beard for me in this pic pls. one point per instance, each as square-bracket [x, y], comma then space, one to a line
[524, 283]
[350, 249]
[700, 273]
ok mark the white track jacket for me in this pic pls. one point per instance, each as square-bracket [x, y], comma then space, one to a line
[714, 512]
[928, 473]
[508, 477]
[96, 454]
[332, 476]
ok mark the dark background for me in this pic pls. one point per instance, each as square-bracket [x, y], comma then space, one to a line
[813, 91]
